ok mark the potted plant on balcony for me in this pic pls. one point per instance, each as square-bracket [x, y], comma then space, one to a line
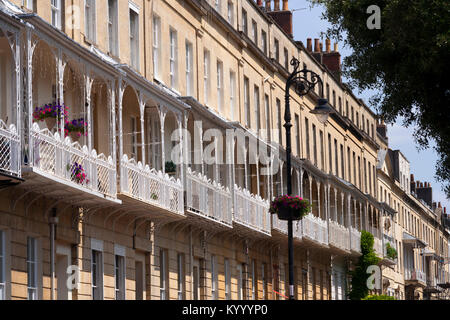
[171, 168]
[391, 253]
[76, 128]
[50, 113]
[77, 173]
[290, 207]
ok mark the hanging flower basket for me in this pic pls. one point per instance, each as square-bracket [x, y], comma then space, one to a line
[290, 207]
[75, 129]
[49, 113]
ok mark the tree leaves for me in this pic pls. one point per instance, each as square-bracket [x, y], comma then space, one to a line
[407, 60]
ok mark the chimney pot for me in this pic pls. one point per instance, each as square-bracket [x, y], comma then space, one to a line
[316, 45]
[268, 5]
[309, 44]
[336, 47]
[445, 209]
[320, 46]
[259, 3]
[328, 45]
[285, 5]
[412, 177]
[439, 205]
[276, 6]
[421, 184]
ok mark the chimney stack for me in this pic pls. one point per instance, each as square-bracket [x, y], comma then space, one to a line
[328, 45]
[309, 44]
[282, 18]
[276, 6]
[316, 45]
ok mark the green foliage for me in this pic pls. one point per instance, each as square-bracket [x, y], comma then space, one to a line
[391, 252]
[407, 61]
[360, 275]
[378, 297]
[170, 167]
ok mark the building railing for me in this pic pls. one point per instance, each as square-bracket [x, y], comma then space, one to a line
[378, 246]
[251, 210]
[387, 239]
[151, 186]
[339, 235]
[415, 274]
[315, 229]
[208, 198]
[68, 160]
[355, 240]
[9, 150]
[282, 226]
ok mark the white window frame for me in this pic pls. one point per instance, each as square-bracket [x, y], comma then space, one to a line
[56, 7]
[255, 32]
[120, 272]
[264, 41]
[206, 72]
[268, 117]
[240, 274]
[189, 69]
[90, 17]
[173, 58]
[180, 277]
[263, 279]
[218, 5]
[230, 12]
[214, 286]
[220, 86]
[134, 35]
[156, 46]
[163, 274]
[113, 32]
[257, 98]
[32, 284]
[247, 101]
[97, 249]
[29, 4]
[227, 279]
[244, 22]
[232, 94]
[254, 280]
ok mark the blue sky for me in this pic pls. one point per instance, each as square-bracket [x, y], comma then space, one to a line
[308, 24]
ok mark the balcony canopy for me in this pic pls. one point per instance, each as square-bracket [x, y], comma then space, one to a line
[409, 239]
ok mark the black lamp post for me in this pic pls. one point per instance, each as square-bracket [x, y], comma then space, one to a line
[298, 79]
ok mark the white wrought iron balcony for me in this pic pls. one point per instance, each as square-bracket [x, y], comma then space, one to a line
[415, 275]
[377, 246]
[69, 164]
[208, 198]
[282, 227]
[251, 211]
[339, 236]
[9, 150]
[315, 229]
[355, 240]
[151, 186]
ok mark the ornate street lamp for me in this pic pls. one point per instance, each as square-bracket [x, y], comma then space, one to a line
[298, 79]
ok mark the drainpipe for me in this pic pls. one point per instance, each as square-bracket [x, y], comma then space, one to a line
[53, 221]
